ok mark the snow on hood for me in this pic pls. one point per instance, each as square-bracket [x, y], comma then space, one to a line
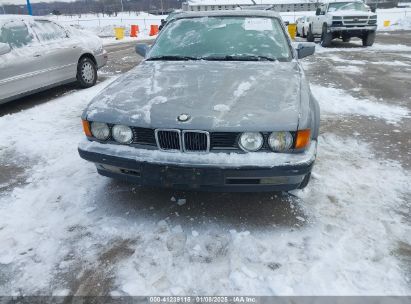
[224, 96]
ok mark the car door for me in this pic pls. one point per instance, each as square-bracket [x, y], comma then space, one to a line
[21, 69]
[61, 51]
[317, 24]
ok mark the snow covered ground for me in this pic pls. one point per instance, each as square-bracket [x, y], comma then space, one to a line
[66, 230]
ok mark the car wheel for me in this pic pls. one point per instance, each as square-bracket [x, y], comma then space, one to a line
[326, 37]
[305, 181]
[86, 73]
[368, 39]
[310, 35]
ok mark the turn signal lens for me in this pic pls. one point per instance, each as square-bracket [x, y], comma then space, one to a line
[303, 139]
[86, 128]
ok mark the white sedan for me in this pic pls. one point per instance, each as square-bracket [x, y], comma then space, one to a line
[37, 53]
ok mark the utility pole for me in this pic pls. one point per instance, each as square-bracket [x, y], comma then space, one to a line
[29, 8]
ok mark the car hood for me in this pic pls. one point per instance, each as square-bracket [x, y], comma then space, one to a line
[218, 96]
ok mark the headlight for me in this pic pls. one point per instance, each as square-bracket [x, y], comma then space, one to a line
[122, 134]
[100, 130]
[280, 141]
[251, 141]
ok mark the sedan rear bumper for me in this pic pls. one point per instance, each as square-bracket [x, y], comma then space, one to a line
[233, 172]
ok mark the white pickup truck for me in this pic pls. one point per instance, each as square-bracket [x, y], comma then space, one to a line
[343, 19]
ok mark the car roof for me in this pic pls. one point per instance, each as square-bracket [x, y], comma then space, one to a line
[224, 13]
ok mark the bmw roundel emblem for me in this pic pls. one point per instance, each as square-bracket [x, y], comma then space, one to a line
[183, 117]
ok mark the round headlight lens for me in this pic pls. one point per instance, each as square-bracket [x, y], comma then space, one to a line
[100, 130]
[280, 141]
[251, 141]
[122, 134]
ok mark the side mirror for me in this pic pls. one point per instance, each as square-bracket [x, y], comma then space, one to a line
[4, 48]
[142, 49]
[373, 9]
[318, 11]
[305, 49]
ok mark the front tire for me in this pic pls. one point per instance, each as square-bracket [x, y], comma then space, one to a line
[86, 72]
[326, 37]
[368, 39]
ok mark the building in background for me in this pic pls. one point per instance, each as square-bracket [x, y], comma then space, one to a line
[277, 5]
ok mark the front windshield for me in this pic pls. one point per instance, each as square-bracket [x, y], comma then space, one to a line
[222, 38]
[347, 6]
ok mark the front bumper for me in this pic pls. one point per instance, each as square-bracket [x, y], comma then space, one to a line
[101, 59]
[249, 172]
[353, 28]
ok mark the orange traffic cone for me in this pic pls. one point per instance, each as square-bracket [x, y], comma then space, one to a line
[153, 30]
[134, 30]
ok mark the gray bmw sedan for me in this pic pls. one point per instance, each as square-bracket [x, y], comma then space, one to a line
[219, 103]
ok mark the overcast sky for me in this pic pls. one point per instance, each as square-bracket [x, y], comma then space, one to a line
[31, 1]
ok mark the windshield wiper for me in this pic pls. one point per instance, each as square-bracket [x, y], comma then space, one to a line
[238, 58]
[172, 57]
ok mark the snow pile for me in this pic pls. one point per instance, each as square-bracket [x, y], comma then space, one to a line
[34, 227]
[346, 228]
[103, 25]
[336, 101]
[349, 69]
[376, 47]
[401, 24]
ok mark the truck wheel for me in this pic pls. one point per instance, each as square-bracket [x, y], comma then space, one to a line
[305, 181]
[326, 37]
[86, 72]
[368, 39]
[310, 35]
